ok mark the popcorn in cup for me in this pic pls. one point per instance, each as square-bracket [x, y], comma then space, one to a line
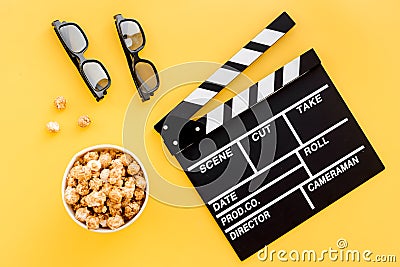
[105, 188]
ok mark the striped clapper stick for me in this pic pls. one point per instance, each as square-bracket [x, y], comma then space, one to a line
[259, 91]
[171, 125]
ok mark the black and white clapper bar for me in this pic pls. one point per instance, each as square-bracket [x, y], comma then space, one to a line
[275, 154]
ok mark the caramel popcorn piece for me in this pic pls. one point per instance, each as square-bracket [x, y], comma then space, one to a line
[114, 208]
[115, 195]
[83, 202]
[81, 173]
[106, 188]
[83, 188]
[140, 182]
[92, 222]
[131, 210]
[126, 159]
[139, 194]
[127, 192]
[53, 127]
[71, 181]
[112, 153]
[105, 159]
[76, 206]
[94, 165]
[115, 175]
[81, 214]
[95, 198]
[95, 184]
[60, 102]
[133, 168]
[115, 222]
[117, 164]
[130, 182]
[71, 196]
[100, 209]
[103, 220]
[125, 202]
[92, 155]
[104, 174]
[115, 211]
[84, 121]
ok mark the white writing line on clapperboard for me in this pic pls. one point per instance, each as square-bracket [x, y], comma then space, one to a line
[258, 127]
[294, 189]
[270, 166]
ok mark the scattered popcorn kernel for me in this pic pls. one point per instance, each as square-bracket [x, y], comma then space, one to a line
[92, 222]
[71, 196]
[81, 214]
[139, 194]
[140, 181]
[60, 102]
[84, 121]
[133, 168]
[53, 127]
[115, 222]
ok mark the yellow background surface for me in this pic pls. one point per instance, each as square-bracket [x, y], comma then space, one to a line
[357, 40]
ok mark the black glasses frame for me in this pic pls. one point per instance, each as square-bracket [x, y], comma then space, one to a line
[79, 60]
[132, 57]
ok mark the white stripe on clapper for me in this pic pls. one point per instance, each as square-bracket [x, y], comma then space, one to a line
[266, 87]
[215, 118]
[240, 103]
[200, 96]
[291, 70]
[223, 76]
[245, 56]
[268, 37]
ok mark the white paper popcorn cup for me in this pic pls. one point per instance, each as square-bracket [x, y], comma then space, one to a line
[101, 147]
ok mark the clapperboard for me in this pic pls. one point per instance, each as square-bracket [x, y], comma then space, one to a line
[275, 154]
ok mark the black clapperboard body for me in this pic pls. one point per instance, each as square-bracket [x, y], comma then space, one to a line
[275, 154]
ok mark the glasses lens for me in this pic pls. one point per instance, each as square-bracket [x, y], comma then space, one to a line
[96, 75]
[146, 76]
[132, 34]
[73, 37]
